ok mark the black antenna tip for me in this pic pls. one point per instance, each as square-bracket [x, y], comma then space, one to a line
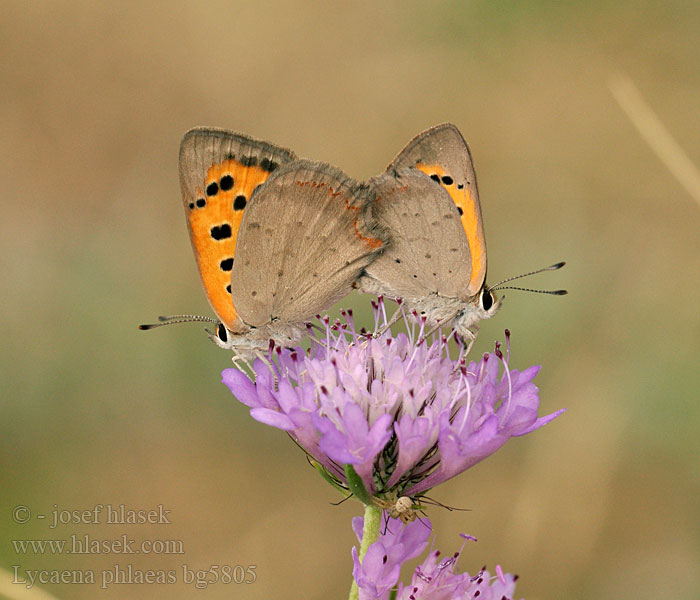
[559, 265]
[560, 292]
[145, 327]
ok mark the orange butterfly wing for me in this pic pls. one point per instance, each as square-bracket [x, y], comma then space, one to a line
[470, 211]
[441, 153]
[219, 172]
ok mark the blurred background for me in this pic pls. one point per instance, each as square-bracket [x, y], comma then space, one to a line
[95, 97]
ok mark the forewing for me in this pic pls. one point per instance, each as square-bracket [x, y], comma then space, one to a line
[305, 237]
[442, 153]
[219, 170]
[428, 250]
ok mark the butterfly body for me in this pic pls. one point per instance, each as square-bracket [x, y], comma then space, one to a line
[436, 263]
[436, 308]
[254, 340]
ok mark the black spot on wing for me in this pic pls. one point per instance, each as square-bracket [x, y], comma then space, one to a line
[221, 232]
[201, 202]
[447, 180]
[213, 189]
[268, 165]
[226, 183]
[226, 264]
[240, 202]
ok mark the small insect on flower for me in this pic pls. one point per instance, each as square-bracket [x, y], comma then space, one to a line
[402, 508]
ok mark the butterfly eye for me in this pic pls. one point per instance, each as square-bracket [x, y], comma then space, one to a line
[221, 333]
[487, 299]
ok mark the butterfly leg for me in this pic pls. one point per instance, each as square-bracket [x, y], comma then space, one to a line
[268, 364]
[236, 359]
[472, 338]
[465, 346]
[394, 318]
[439, 325]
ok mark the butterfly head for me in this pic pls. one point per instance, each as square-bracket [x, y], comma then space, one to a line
[221, 336]
[482, 306]
[485, 304]
[245, 344]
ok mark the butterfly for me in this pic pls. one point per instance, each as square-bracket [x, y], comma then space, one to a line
[276, 239]
[428, 201]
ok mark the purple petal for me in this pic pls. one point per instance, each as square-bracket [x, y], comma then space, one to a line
[358, 524]
[376, 575]
[241, 386]
[541, 421]
[273, 418]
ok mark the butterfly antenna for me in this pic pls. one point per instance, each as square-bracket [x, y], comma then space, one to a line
[552, 292]
[554, 267]
[174, 319]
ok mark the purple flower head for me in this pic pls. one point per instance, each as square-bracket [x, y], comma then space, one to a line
[435, 578]
[378, 572]
[402, 411]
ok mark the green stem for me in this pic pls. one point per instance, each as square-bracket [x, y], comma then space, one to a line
[370, 534]
[356, 485]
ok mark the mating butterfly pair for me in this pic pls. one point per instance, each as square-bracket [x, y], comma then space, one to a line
[279, 239]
